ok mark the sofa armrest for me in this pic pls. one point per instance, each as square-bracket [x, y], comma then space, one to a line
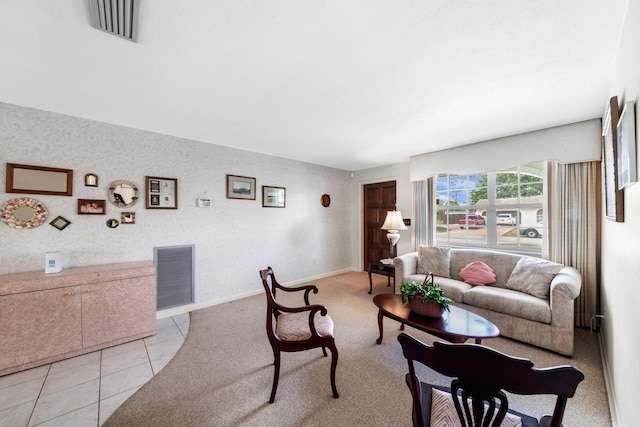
[405, 265]
[566, 284]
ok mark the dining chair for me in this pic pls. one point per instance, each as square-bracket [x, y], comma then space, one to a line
[292, 329]
[481, 375]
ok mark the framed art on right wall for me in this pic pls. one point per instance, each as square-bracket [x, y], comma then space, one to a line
[614, 197]
[626, 132]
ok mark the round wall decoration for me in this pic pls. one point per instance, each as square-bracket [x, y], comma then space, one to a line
[113, 223]
[123, 194]
[325, 200]
[24, 212]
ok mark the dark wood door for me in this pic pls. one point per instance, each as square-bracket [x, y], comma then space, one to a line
[379, 198]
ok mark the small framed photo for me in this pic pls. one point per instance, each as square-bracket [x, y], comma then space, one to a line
[241, 187]
[91, 207]
[273, 197]
[162, 193]
[91, 180]
[128, 217]
[60, 223]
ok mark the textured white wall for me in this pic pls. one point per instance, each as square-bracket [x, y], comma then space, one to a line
[621, 247]
[233, 239]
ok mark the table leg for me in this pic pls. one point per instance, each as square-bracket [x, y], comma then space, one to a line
[389, 280]
[478, 340]
[379, 340]
[370, 283]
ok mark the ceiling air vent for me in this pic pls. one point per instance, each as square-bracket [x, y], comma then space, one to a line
[117, 17]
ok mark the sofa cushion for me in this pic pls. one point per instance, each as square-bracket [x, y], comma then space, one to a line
[502, 263]
[433, 259]
[533, 276]
[452, 288]
[507, 301]
[478, 273]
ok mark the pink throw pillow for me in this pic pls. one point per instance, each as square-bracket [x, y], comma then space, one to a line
[478, 273]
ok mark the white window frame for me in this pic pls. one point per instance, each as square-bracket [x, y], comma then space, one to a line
[491, 238]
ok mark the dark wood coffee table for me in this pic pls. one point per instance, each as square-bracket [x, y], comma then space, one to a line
[457, 325]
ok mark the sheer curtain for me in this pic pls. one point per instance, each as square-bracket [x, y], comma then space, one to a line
[421, 208]
[574, 228]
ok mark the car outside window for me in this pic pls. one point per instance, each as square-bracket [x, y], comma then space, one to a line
[496, 210]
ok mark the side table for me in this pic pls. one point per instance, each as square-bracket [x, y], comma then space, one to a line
[389, 269]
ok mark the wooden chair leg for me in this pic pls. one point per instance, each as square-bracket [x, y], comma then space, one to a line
[276, 375]
[324, 351]
[334, 364]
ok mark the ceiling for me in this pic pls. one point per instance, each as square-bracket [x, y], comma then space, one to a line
[350, 84]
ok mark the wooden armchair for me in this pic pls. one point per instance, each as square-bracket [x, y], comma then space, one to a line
[297, 328]
[481, 375]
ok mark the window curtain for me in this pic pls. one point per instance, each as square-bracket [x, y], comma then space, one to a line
[421, 208]
[574, 228]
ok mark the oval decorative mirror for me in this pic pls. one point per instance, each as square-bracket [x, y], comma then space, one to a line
[123, 194]
[24, 212]
[113, 223]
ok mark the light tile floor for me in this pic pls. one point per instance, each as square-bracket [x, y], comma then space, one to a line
[85, 390]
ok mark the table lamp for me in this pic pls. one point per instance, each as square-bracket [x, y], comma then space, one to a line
[393, 223]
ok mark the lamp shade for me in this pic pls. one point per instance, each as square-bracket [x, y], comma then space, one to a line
[394, 221]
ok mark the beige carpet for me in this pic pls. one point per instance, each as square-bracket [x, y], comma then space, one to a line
[222, 375]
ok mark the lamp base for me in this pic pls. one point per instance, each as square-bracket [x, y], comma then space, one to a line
[393, 238]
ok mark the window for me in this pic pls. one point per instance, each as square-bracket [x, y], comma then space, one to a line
[502, 210]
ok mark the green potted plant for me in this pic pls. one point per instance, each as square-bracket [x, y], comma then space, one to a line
[426, 298]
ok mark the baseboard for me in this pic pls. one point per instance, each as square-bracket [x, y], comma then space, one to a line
[174, 311]
[608, 381]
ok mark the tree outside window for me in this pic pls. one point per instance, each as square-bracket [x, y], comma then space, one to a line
[498, 209]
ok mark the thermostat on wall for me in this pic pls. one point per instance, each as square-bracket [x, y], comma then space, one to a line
[204, 203]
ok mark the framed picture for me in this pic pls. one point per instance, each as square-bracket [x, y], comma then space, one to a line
[273, 197]
[128, 217]
[626, 132]
[60, 223]
[241, 187]
[91, 180]
[92, 207]
[162, 193]
[614, 197]
[39, 180]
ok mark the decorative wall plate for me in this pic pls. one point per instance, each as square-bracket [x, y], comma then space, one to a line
[113, 223]
[123, 194]
[24, 212]
[325, 200]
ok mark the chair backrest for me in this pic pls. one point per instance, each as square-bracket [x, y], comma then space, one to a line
[270, 285]
[481, 374]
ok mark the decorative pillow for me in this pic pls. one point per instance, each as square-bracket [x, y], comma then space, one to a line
[432, 259]
[478, 273]
[533, 276]
[443, 412]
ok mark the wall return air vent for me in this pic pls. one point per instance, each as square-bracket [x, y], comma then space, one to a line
[117, 17]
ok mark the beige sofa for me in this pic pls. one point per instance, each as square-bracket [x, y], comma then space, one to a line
[532, 300]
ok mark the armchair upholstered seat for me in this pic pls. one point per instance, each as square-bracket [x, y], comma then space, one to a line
[293, 329]
[295, 326]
